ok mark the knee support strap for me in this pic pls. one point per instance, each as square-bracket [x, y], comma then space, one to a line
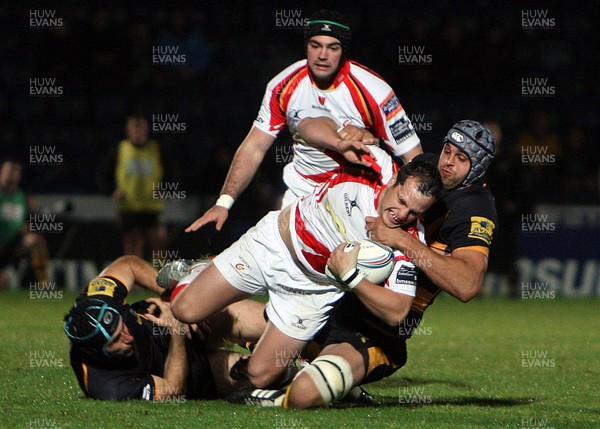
[332, 376]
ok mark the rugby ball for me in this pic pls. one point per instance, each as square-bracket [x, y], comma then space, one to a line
[374, 259]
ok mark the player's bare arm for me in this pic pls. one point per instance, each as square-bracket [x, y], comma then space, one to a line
[460, 273]
[132, 270]
[389, 306]
[408, 156]
[172, 384]
[352, 142]
[243, 167]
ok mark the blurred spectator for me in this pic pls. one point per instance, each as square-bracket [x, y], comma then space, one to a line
[540, 151]
[139, 173]
[16, 240]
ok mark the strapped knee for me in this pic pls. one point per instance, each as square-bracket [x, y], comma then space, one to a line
[332, 376]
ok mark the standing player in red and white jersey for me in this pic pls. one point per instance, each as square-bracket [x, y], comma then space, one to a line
[286, 252]
[326, 84]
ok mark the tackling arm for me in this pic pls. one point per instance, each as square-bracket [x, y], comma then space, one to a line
[352, 142]
[460, 274]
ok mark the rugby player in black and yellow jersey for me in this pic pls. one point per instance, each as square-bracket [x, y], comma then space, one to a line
[139, 351]
[357, 346]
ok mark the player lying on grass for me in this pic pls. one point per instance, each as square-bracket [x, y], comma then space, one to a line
[359, 347]
[286, 253]
[140, 351]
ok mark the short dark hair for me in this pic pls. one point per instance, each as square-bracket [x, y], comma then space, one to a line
[430, 181]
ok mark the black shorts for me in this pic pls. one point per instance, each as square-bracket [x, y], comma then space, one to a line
[131, 220]
[381, 357]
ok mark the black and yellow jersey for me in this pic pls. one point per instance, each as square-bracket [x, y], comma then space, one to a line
[101, 377]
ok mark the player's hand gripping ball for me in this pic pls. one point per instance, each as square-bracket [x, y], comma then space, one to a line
[375, 261]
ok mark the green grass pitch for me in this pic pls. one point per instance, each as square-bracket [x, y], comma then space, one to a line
[491, 363]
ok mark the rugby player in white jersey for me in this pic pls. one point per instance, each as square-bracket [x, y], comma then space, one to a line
[328, 84]
[286, 252]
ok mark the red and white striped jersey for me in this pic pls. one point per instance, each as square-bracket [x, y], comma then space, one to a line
[335, 212]
[357, 96]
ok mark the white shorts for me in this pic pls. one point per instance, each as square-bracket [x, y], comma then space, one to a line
[259, 263]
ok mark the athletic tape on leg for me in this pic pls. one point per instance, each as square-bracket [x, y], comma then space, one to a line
[332, 375]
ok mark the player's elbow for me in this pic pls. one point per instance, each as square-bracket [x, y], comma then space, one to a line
[393, 318]
[466, 294]
[183, 311]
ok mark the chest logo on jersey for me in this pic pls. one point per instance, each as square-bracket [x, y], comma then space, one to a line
[350, 204]
[322, 100]
[102, 286]
[482, 228]
[406, 276]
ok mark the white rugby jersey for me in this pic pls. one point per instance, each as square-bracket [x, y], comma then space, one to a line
[335, 212]
[357, 96]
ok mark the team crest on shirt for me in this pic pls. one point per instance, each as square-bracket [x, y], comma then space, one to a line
[321, 100]
[482, 228]
[102, 286]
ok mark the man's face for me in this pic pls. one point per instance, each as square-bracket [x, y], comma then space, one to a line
[122, 345]
[324, 54]
[137, 131]
[453, 165]
[10, 176]
[400, 204]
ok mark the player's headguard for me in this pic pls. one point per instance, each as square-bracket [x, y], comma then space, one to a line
[477, 142]
[91, 325]
[329, 23]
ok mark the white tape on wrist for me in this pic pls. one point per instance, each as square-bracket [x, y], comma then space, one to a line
[352, 278]
[225, 201]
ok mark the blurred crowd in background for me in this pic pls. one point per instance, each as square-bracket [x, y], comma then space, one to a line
[477, 55]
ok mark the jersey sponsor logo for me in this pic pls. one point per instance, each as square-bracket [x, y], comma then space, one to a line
[299, 324]
[402, 129]
[482, 228]
[391, 105]
[350, 204]
[102, 286]
[406, 276]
